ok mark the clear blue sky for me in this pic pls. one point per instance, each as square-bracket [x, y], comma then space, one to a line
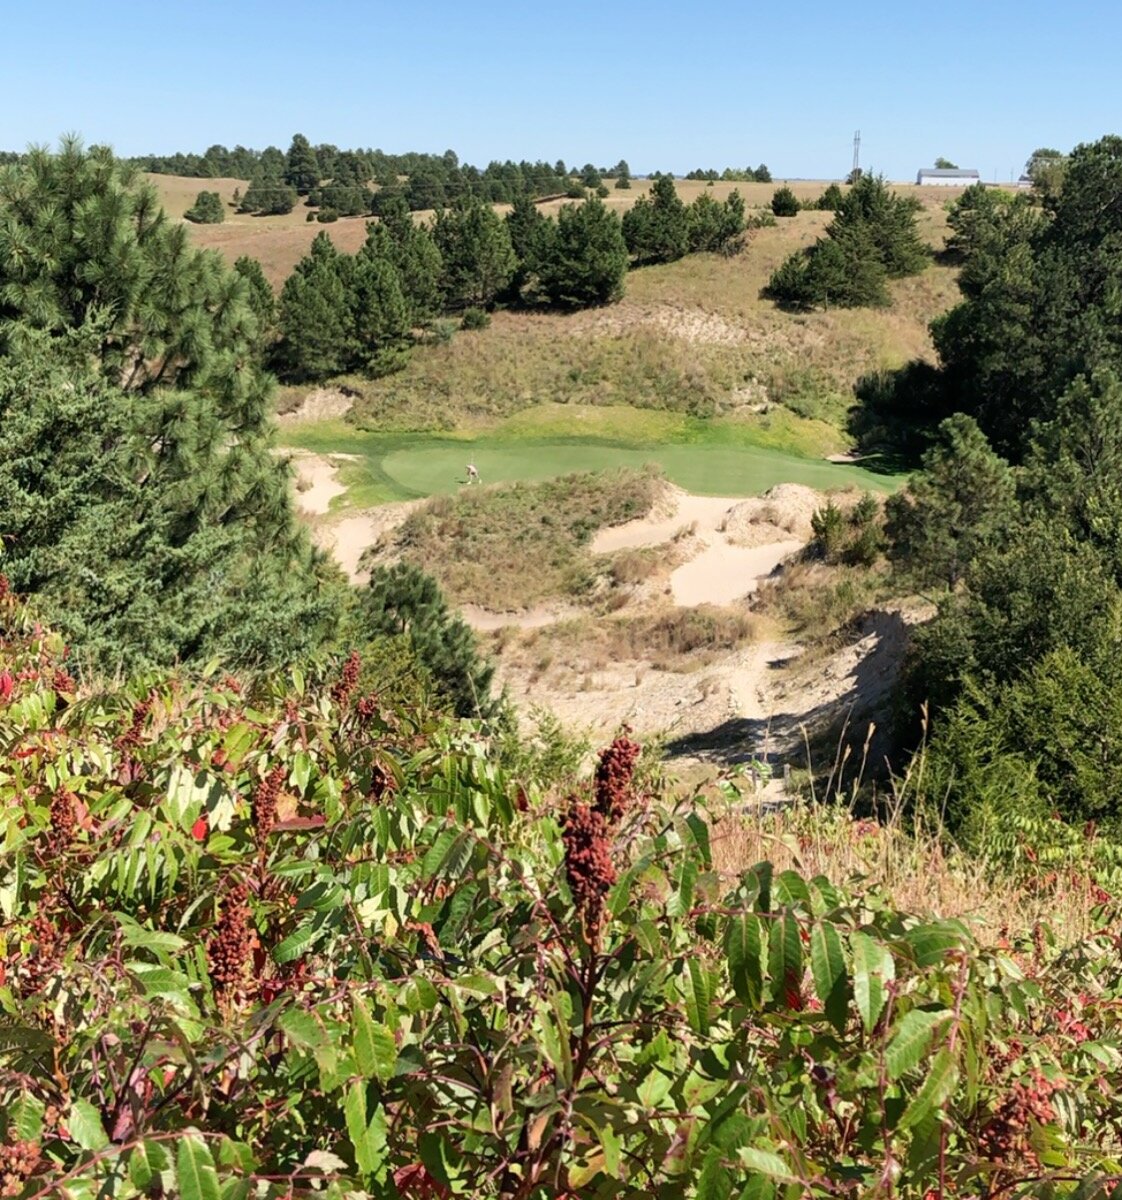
[668, 86]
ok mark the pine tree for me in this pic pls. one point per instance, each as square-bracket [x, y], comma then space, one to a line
[301, 168]
[380, 315]
[268, 195]
[530, 234]
[478, 261]
[587, 257]
[316, 314]
[259, 296]
[207, 209]
[414, 253]
[403, 601]
[962, 503]
[657, 229]
[142, 504]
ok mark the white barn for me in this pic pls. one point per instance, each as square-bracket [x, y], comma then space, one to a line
[940, 177]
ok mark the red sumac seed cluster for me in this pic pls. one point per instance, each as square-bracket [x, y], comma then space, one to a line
[264, 804]
[18, 1162]
[348, 680]
[588, 862]
[230, 949]
[614, 773]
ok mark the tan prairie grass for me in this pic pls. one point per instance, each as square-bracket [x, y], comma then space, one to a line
[918, 870]
[681, 640]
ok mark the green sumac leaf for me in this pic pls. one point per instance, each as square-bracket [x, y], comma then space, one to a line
[297, 942]
[194, 1168]
[25, 1118]
[766, 1163]
[939, 1084]
[744, 952]
[911, 1041]
[375, 1048]
[791, 888]
[699, 989]
[84, 1123]
[873, 967]
[303, 1029]
[715, 1180]
[827, 965]
[785, 961]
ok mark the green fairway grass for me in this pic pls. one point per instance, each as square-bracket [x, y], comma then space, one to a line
[705, 457]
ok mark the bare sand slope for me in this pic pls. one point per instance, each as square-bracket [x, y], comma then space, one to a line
[316, 482]
[738, 542]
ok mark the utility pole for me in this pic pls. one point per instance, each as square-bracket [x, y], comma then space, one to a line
[856, 154]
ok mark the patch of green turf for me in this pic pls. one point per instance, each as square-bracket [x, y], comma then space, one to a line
[716, 458]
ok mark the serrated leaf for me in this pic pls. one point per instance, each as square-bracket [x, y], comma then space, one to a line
[827, 966]
[785, 961]
[302, 1029]
[938, 1085]
[324, 1160]
[611, 1146]
[84, 1123]
[194, 1168]
[296, 944]
[766, 1163]
[744, 951]
[698, 988]
[911, 1041]
[715, 1180]
[375, 1048]
[873, 967]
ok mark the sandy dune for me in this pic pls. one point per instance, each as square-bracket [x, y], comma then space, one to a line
[723, 569]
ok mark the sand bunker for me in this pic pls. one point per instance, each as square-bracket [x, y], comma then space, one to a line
[739, 542]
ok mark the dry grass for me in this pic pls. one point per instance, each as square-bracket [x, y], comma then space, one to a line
[673, 639]
[510, 547]
[918, 871]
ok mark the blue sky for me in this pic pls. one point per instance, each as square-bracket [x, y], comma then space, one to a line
[667, 86]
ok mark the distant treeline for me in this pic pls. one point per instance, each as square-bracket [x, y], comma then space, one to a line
[758, 174]
[348, 181]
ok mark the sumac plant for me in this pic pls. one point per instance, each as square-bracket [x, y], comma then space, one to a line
[276, 941]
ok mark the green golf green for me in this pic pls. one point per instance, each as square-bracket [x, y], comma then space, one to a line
[711, 470]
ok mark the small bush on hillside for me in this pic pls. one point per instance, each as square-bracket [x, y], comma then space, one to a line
[207, 209]
[785, 203]
[326, 216]
[831, 199]
[475, 318]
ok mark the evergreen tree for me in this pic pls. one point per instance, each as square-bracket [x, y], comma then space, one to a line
[207, 209]
[301, 168]
[587, 257]
[715, 226]
[530, 237]
[414, 254]
[142, 503]
[478, 261]
[268, 195]
[622, 174]
[259, 296]
[380, 315]
[784, 203]
[961, 504]
[316, 314]
[656, 229]
[403, 601]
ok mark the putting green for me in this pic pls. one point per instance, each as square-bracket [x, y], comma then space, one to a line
[705, 470]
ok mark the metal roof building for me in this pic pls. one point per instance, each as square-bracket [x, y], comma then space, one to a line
[941, 177]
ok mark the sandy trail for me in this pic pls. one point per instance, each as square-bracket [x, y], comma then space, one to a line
[484, 620]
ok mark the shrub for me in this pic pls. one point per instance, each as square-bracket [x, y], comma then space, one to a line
[326, 216]
[784, 203]
[207, 209]
[475, 318]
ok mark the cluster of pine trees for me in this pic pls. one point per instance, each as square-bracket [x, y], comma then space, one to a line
[758, 174]
[1016, 517]
[872, 239]
[660, 228]
[342, 312]
[355, 182]
[145, 514]
[362, 312]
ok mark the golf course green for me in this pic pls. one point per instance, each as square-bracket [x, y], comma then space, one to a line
[701, 457]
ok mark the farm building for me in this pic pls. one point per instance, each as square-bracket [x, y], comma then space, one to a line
[947, 178]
